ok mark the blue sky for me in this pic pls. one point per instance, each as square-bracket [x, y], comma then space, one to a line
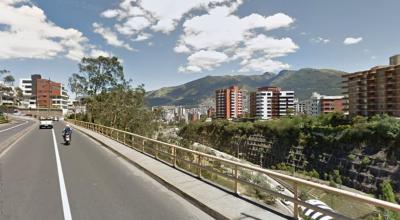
[170, 42]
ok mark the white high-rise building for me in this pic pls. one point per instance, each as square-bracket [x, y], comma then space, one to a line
[271, 102]
[28, 101]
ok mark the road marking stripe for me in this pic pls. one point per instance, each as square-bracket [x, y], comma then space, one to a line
[64, 195]
[13, 127]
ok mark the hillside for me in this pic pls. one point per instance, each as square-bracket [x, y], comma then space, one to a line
[303, 82]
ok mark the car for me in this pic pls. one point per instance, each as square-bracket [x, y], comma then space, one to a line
[45, 123]
[55, 118]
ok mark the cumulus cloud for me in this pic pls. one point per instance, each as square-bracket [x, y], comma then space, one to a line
[204, 60]
[319, 40]
[212, 33]
[352, 40]
[29, 34]
[135, 17]
[263, 64]
[236, 37]
[110, 36]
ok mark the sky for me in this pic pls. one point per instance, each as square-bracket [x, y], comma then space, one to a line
[170, 42]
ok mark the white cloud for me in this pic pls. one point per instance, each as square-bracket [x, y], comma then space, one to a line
[320, 40]
[29, 34]
[212, 33]
[205, 60]
[352, 40]
[142, 37]
[111, 13]
[110, 36]
[160, 16]
[263, 64]
[236, 37]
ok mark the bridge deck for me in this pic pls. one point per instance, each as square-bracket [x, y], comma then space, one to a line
[206, 196]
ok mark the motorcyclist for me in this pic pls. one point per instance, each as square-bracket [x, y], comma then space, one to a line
[67, 130]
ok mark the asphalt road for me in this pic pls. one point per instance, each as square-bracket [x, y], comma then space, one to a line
[41, 178]
[16, 125]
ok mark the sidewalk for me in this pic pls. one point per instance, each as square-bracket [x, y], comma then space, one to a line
[214, 201]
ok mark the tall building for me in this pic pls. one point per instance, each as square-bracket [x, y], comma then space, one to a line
[322, 104]
[43, 93]
[271, 102]
[229, 103]
[374, 91]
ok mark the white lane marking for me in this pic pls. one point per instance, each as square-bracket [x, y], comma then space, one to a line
[13, 127]
[64, 195]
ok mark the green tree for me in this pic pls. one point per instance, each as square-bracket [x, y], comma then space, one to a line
[101, 73]
[9, 79]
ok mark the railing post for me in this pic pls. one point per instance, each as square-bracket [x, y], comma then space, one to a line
[295, 204]
[174, 153]
[124, 138]
[236, 179]
[156, 148]
[199, 165]
[117, 136]
[143, 142]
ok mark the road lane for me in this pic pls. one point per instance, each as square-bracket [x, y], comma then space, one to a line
[9, 129]
[99, 184]
[28, 179]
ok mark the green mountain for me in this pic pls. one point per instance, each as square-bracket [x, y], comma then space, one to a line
[201, 91]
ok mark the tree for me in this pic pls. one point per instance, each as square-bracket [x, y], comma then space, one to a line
[19, 95]
[78, 84]
[9, 79]
[101, 73]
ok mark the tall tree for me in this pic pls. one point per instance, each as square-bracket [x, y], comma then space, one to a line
[101, 73]
[9, 79]
[78, 84]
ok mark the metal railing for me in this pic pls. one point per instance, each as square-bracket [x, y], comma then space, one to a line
[198, 162]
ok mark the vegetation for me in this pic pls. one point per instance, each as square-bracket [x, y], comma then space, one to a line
[357, 139]
[303, 81]
[110, 99]
[387, 194]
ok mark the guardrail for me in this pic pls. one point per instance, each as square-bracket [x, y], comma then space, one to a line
[199, 163]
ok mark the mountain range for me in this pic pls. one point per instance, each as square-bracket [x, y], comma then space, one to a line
[201, 91]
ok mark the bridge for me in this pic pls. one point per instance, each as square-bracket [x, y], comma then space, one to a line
[107, 173]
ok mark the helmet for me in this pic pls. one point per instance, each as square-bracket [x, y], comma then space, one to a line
[68, 125]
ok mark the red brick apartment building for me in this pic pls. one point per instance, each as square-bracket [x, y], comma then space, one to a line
[229, 103]
[374, 91]
[46, 90]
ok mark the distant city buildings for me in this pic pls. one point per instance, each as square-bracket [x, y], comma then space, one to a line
[320, 104]
[374, 91]
[171, 114]
[271, 102]
[229, 103]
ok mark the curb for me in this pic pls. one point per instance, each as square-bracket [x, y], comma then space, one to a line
[213, 213]
[15, 138]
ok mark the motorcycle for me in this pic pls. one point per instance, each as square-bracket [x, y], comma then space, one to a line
[67, 139]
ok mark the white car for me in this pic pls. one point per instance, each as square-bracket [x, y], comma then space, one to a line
[46, 123]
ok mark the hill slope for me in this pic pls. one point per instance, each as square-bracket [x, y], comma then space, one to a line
[303, 82]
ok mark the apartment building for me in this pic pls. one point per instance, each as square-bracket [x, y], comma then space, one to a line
[374, 91]
[271, 102]
[229, 103]
[319, 104]
[43, 93]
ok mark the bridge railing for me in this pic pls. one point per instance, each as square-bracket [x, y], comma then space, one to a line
[230, 174]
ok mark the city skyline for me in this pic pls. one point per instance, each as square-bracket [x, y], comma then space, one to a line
[175, 47]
